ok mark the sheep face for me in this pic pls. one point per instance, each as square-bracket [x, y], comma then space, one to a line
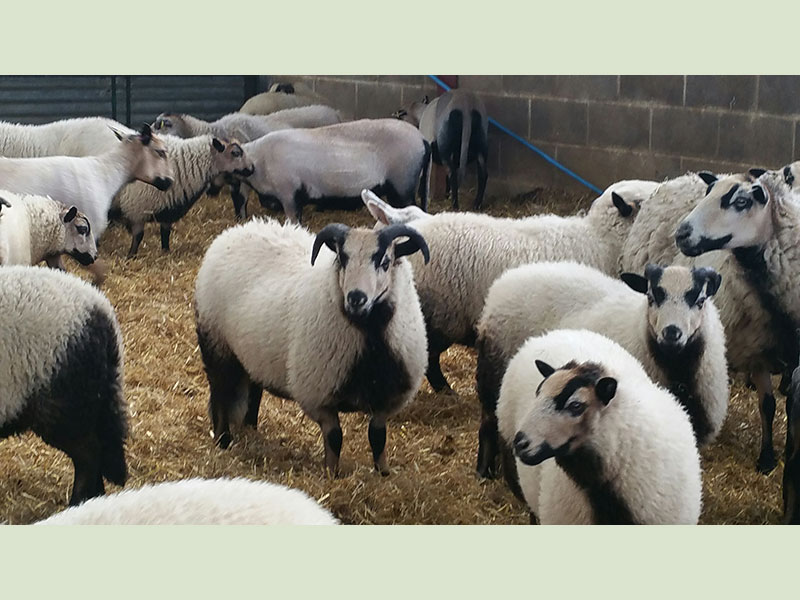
[230, 157]
[564, 412]
[734, 213]
[412, 114]
[676, 297]
[78, 239]
[151, 164]
[365, 264]
[171, 124]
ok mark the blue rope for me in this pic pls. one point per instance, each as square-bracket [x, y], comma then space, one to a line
[527, 144]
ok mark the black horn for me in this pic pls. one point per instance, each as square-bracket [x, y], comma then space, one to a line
[415, 241]
[332, 236]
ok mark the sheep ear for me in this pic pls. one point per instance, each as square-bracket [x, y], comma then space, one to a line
[623, 207]
[71, 214]
[545, 369]
[757, 172]
[759, 194]
[709, 278]
[376, 207]
[117, 132]
[605, 389]
[217, 145]
[707, 176]
[635, 281]
[4, 202]
[426, 100]
[145, 134]
[332, 236]
[414, 243]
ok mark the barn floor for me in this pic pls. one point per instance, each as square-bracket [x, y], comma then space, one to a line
[431, 445]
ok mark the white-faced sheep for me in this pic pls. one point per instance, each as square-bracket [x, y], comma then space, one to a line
[269, 102]
[757, 218]
[456, 126]
[664, 319]
[37, 228]
[87, 136]
[623, 448]
[91, 182]
[195, 163]
[61, 371]
[244, 128]
[471, 250]
[334, 163]
[199, 502]
[344, 335]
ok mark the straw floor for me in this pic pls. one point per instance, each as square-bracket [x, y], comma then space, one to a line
[431, 445]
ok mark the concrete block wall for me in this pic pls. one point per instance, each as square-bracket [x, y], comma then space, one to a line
[607, 127]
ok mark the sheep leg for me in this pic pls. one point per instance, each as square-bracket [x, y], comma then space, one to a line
[487, 445]
[88, 479]
[436, 345]
[55, 262]
[328, 420]
[239, 200]
[483, 176]
[137, 233]
[166, 230]
[766, 402]
[791, 469]
[253, 404]
[377, 442]
[510, 471]
[453, 179]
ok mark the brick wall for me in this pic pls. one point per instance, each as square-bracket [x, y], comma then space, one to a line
[608, 127]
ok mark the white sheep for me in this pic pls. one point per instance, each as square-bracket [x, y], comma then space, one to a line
[300, 166]
[624, 448]
[37, 228]
[664, 319]
[199, 502]
[298, 88]
[269, 102]
[344, 335]
[86, 136]
[91, 182]
[195, 163]
[757, 301]
[61, 372]
[471, 250]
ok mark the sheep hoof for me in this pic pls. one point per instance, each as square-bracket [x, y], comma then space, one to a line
[766, 461]
[486, 472]
[224, 440]
[383, 470]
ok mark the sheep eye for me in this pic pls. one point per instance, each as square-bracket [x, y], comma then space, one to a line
[161, 153]
[385, 263]
[575, 408]
[742, 203]
[82, 230]
[236, 154]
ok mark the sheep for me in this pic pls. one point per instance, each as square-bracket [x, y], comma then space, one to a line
[298, 88]
[457, 128]
[624, 448]
[37, 228]
[61, 372]
[346, 335]
[198, 501]
[300, 166]
[196, 162]
[471, 250]
[664, 319]
[791, 468]
[755, 216]
[244, 128]
[91, 182]
[87, 136]
[269, 102]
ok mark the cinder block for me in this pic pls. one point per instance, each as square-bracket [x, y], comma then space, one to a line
[620, 125]
[754, 138]
[534, 85]
[734, 92]
[685, 131]
[559, 121]
[716, 166]
[518, 161]
[405, 79]
[342, 94]
[779, 94]
[377, 100]
[481, 83]
[663, 89]
[586, 87]
[509, 111]
[603, 167]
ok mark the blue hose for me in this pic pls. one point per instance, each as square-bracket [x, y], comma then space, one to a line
[527, 144]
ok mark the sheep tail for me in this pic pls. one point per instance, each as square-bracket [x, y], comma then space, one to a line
[425, 177]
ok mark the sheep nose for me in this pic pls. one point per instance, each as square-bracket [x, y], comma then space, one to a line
[521, 442]
[356, 299]
[684, 232]
[671, 334]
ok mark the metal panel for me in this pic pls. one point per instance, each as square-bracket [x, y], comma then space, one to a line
[44, 98]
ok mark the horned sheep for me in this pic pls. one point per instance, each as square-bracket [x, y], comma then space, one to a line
[61, 372]
[665, 319]
[624, 448]
[344, 335]
[471, 250]
[197, 501]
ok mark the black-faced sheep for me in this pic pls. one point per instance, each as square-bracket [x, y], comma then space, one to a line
[344, 335]
[623, 448]
[664, 319]
[334, 163]
[199, 502]
[61, 370]
[471, 250]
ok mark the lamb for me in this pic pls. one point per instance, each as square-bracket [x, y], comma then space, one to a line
[37, 228]
[664, 319]
[457, 128]
[91, 182]
[198, 501]
[196, 162]
[87, 136]
[346, 335]
[269, 102]
[61, 372]
[756, 215]
[791, 468]
[299, 166]
[472, 250]
[624, 448]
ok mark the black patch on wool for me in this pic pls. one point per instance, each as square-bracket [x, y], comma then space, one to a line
[378, 378]
[680, 370]
[81, 410]
[585, 467]
[181, 207]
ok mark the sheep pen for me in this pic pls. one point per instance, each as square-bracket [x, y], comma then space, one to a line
[432, 445]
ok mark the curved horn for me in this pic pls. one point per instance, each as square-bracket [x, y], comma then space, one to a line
[414, 243]
[332, 236]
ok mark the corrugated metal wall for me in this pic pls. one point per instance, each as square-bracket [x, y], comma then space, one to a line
[128, 99]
